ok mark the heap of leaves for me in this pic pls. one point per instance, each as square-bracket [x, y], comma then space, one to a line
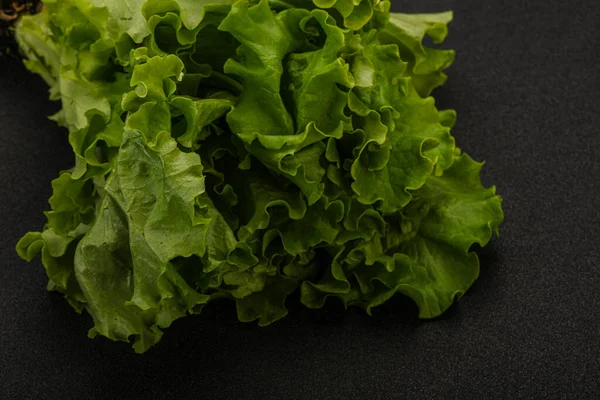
[243, 150]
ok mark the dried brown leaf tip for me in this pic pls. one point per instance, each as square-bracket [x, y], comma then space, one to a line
[9, 14]
[13, 11]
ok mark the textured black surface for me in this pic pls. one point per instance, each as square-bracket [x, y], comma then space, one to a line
[527, 89]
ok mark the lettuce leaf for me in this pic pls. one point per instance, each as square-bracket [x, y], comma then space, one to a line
[248, 149]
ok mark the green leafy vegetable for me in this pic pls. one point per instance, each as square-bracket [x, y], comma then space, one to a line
[248, 149]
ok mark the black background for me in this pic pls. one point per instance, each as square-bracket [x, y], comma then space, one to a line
[526, 87]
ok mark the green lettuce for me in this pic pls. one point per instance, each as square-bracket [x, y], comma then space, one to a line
[247, 150]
